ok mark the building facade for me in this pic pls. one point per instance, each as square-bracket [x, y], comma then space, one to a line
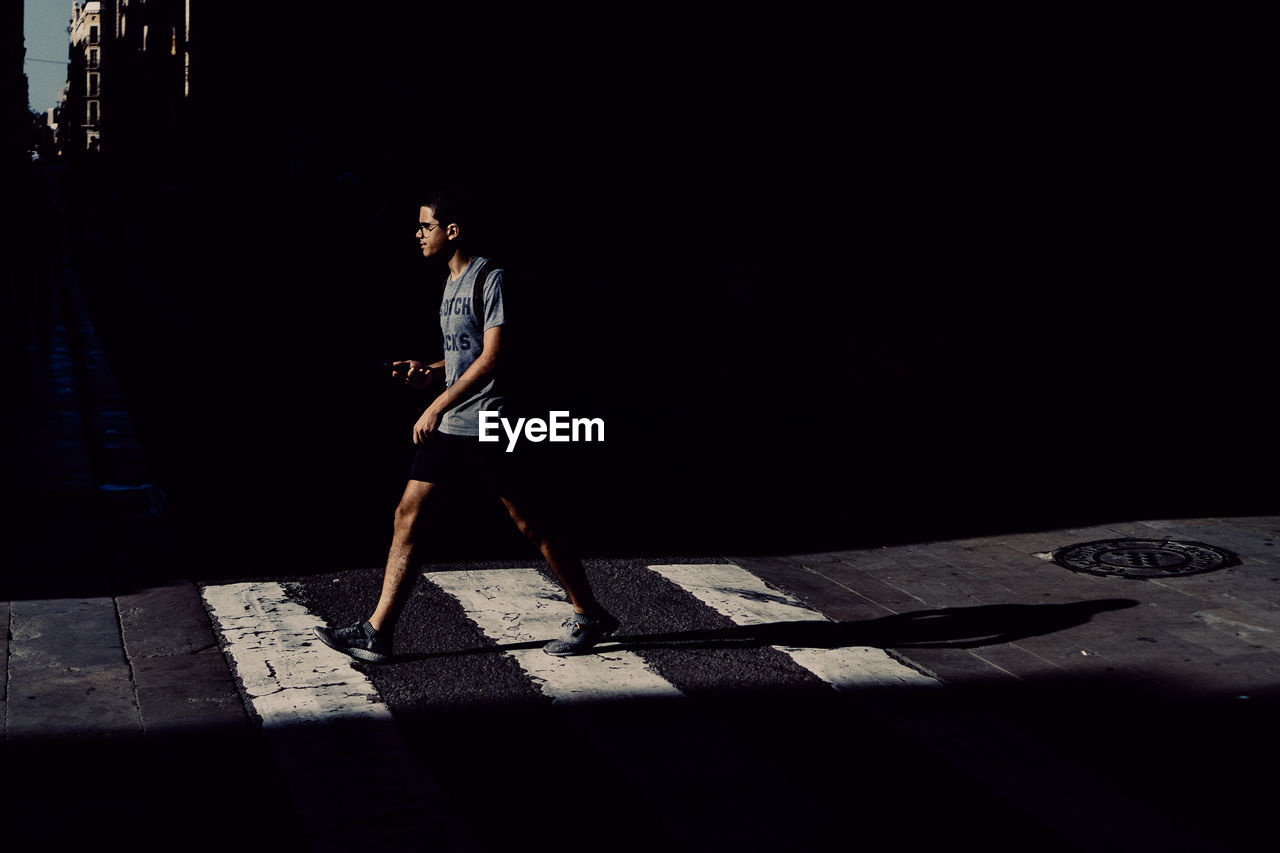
[129, 73]
[82, 114]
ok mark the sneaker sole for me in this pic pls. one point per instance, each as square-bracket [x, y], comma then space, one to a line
[359, 654]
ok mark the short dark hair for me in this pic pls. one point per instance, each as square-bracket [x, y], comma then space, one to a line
[451, 206]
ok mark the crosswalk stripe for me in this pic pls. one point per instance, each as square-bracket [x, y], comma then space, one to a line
[288, 675]
[519, 606]
[326, 726]
[741, 596]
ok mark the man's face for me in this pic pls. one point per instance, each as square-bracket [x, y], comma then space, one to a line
[432, 234]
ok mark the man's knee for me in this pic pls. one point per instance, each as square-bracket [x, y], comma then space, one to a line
[409, 510]
[406, 515]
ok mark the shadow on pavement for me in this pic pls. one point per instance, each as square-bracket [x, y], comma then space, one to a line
[947, 628]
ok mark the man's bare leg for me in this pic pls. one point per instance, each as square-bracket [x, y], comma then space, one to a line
[591, 623]
[410, 511]
[531, 520]
[371, 641]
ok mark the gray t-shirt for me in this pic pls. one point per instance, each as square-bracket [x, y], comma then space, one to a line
[464, 341]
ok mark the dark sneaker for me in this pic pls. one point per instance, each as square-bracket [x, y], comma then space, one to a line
[581, 634]
[359, 640]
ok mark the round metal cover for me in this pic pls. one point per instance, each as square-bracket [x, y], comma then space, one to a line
[1144, 558]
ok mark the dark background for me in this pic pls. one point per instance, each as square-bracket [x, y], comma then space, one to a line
[832, 278]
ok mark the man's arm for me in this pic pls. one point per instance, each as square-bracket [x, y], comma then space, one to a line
[474, 376]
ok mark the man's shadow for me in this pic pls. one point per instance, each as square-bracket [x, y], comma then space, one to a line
[948, 628]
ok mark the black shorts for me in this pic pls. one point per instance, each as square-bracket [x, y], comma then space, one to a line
[464, 460]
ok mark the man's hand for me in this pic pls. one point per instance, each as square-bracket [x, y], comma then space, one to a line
[426, 424]
[416, 374]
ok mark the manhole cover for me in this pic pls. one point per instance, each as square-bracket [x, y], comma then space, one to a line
[1144, 558]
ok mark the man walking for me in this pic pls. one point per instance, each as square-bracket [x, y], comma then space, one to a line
[449, 449]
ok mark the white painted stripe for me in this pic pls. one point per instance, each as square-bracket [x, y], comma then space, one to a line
[521, 606]
[736, 593]
[288, 675]
[354, 785]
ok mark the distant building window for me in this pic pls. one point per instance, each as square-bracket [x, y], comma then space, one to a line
[93, 112]
[93, 84]
[93, 58]
[93, 35]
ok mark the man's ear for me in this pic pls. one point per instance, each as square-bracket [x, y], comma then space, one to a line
[452, 231]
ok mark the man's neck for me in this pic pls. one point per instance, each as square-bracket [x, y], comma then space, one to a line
[458, 264]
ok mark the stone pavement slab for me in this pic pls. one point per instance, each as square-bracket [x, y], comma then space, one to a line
[181, 677]
[193, 692]
[1013, 658]
[144, 663]
[166, 620]
[67, 671]
[958, 666]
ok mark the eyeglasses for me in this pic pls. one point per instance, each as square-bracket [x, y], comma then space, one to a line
[428, 227]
